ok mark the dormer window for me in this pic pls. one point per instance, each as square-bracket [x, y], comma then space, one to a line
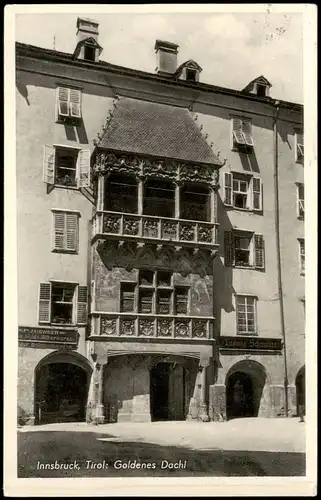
[189, 71]
[259, 86]
[190, 75]
[89, 53]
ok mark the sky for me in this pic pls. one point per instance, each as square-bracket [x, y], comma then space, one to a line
[232, 48]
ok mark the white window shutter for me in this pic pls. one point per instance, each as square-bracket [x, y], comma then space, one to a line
[229, 248]
[63, 101]
[228, 194]
[59, 230]
[259, 257]
[44, 303]
[72, 231]
[238, 137]
[84, 168]
[256, 186]
[82, 299]
[75, 103]
[247, 132]
[49, 159]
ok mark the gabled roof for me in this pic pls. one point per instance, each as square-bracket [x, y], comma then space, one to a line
[261, 80]
[160, 130]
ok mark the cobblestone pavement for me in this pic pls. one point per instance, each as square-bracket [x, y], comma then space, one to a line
[241, 447]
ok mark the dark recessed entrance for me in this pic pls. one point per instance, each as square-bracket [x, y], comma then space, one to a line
[61, 393]
[240, 396]
[300, 391]
[167, 389]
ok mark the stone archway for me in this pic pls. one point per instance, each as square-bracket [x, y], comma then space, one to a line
[300, 391]
[245, 382]
[61, 388]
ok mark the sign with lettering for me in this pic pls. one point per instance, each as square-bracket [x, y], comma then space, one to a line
[34, 336]
[250, 343]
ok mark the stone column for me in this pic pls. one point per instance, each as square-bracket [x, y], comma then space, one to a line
[101, 192]
[177, 201]
[140, 196]
[203, 413]
[213, 204]
[217, 402]
[99, 411]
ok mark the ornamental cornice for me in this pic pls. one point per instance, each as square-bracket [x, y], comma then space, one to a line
[145, 168]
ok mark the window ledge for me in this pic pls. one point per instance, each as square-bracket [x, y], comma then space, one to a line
[60, 186]
[58, 325]
[247, 210]
[247, 334]
[59, 250]
[244, 267]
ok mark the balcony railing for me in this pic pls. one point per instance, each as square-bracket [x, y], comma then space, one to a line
[135, 325]
[154, 229]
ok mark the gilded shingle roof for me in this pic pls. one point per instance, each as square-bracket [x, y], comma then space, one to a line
[155, 129]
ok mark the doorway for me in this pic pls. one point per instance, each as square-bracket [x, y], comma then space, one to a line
[61, 393]
[167, 391]
[300, 391]
[240, 396]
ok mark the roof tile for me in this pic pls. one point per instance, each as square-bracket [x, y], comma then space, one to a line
[155, 129]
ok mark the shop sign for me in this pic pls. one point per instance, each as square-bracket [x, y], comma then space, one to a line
[250, 343]
[37, 337]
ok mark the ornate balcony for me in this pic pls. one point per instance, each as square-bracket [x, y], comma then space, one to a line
[139, 326]
[151, 229]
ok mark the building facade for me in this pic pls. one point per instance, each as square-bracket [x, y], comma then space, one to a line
[160, 241]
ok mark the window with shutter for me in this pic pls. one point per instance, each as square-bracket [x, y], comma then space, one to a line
[75, 105]
[300, 197]
[256, 194]
[59, 231]
[84, 168]
[299, 147]
[68, 103]
[44, 305]
[71, 231]
[49, 164]
[247, 132]
[242, 139]
[63, 101]
[237, 131]
[228, 180]
[302, 256]
[242, 191]
[228, 248]
[82, 300]
[66, 166]
[65, 231]
[259, 258]
[242, 249]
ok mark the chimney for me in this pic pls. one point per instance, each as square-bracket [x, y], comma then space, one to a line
[166, 57]
[87, 28]
[87, 47]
